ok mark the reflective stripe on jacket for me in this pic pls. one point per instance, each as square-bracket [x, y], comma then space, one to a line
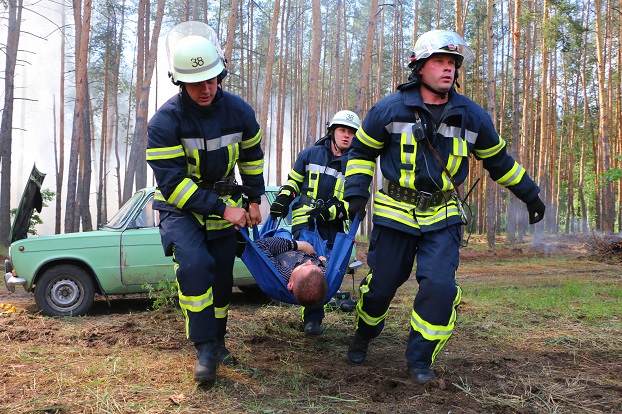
[190, 145]
[317, 174]
[465, 129]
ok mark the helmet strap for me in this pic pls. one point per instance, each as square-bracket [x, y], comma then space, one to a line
[443, 95]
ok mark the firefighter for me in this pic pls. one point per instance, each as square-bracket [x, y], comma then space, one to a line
[195, 140]
[417, 211]
[318, 178]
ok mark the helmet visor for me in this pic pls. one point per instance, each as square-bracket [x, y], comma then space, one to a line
[190, 28]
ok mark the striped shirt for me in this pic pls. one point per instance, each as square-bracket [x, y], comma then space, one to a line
[281, 253]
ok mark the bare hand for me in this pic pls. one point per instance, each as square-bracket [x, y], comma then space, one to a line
[306, 247]
[235, 215]
[254, 215]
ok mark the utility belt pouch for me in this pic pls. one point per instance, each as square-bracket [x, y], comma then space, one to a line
[424, 200]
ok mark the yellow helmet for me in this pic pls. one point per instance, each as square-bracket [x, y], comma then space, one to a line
[194, 53]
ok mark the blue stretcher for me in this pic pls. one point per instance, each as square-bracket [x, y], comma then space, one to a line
[270, 280]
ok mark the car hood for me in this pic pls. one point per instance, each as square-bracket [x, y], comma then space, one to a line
[75, 242]
[31, 200]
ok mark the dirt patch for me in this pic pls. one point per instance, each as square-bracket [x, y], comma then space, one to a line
[126, 358]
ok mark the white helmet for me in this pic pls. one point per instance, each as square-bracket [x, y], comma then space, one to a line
[346, 118]
[442, 41]
[194, 53]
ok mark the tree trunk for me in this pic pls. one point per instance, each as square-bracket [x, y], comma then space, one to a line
[314, 71]
[363, 89]
[6, 126]
[491, 189]
[82, 21]
[604, 197]
[515, 125]
[267, 91]
[147, 50]
[233, 17]
[281, 96]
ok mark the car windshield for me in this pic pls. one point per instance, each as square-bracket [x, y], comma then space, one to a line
[120, 218]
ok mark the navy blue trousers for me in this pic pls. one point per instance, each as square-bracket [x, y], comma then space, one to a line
[204, 261]
[391, 258]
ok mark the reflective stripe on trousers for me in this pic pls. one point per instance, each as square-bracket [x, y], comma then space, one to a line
[437, 255]
[204, 271]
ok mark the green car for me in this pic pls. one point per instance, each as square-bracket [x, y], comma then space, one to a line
[124, 256]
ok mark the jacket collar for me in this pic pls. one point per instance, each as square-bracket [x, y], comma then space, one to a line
[191, 105]
[412, 97]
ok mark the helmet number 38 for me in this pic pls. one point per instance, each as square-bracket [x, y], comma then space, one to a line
[197, 61]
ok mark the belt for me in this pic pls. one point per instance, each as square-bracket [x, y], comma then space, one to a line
[227, 186]
[422, 199]
[209, 185]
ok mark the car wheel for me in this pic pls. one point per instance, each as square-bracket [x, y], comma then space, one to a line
[64, 291]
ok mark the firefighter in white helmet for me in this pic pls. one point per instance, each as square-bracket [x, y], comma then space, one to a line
[424, 135]
[195, 140]
[316, 182]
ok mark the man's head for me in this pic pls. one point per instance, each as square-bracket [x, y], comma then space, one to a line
[438, 47]
[343, 126]
[308, 285]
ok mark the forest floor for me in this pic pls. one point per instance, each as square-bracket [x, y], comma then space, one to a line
[128, 358]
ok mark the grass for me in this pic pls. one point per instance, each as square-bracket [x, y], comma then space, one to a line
[563, 299]
[534, 334]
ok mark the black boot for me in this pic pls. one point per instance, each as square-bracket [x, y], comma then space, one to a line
[357, 352]
[207, 358]
[313, 328]
[224, 356]
[421, 375]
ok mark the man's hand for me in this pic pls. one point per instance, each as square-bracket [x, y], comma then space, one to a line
[280, 206]
[254, 215]
[306, 247]
[235, 215]
[356, 204]
[536, 210]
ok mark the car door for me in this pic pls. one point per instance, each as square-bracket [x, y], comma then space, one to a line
[142, 256]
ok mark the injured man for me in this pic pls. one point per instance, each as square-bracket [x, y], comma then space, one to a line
[303, 270]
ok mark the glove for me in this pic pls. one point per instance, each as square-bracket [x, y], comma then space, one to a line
[280, 206]
[356, 204]
[536, 210]
[319, 214]
[323, 213]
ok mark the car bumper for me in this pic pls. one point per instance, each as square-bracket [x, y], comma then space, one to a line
[10, 280]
